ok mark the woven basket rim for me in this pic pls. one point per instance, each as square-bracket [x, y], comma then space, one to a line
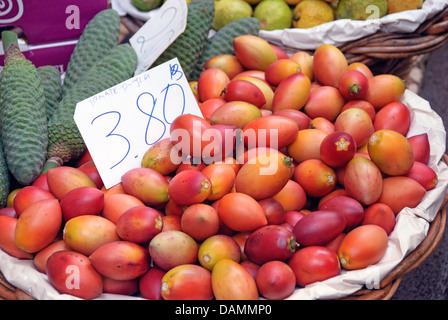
[381, 46]
[430, 243]
[390, 283]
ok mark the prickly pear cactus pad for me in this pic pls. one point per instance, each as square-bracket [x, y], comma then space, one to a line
[23, 118]
[99, 36]
[51, 82]
[189, 45]
[4, 178]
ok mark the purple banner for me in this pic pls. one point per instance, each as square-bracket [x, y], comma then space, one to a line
[51, 27]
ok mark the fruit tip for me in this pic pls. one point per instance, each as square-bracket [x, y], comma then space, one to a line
[9, 38]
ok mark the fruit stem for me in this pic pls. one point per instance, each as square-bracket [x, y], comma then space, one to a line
[296, 16]
[9, 38]
[223, 93]
[296, 245]
[11, 47]
[52, 162]
[354, 89]
[288, 161]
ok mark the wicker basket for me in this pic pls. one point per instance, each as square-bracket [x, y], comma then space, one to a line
[9, 292]
[384, 53]
[396, 52]
[388, 285]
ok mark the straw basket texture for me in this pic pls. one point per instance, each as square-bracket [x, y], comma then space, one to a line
[9, 292]
[395, 52]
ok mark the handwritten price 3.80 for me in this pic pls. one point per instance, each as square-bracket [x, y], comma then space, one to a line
[158, 108]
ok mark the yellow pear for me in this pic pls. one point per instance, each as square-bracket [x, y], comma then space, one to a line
[311, 13]
[394, 6]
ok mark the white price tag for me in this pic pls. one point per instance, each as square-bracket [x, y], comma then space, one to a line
[151, 40]
[119, 124]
